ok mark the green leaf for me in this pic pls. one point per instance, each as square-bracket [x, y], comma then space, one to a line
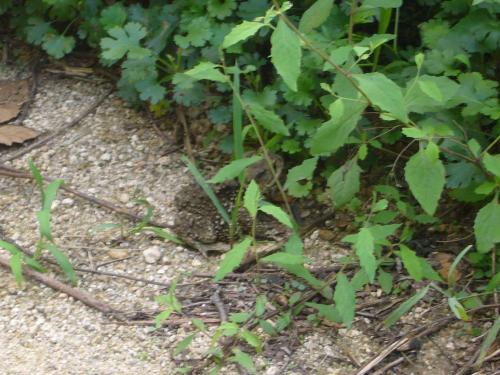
[113, 15]
[427, 271]
[198, 323]
[260, 304]
[234, 169]
[411, 262]
[492, 163]
[50, 193]
[16, 266]
[268, 119]
[383, 93]
[425, 175]
[365, 247]
[162, 233]
[329, 312]
[63, 261]
[299, 173]
[487, 226]
[429, 93]
[344, 183]
[207, 189]
[232, 259]
[277, 213]
[243, 359]
[164, 315]
[385, 280]
[488, 341]
[207, 70]
[333, 134]
[382, 3]
[58, 45]
[431, 89]
[285, 258]
[183, 344]
[36, 30]
[125, 41]
[241, 32]
[44, 224]
[252, 198]
[345, 299]
[251, 339]
[405, 307]
[457, 309]
[286, 54]
[315, 15]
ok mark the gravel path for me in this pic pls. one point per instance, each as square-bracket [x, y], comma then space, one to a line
[114, 154]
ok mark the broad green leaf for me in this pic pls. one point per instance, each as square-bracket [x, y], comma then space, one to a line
[62, 260]
[300, 271]
[382, 3]
[16, 266]
[241, 32]
[233, 169]
[414, 133]
[344, 183]
[315, 15]
[183, 344]
[232, 259]
[365, 246]
[268, 119]
[405, 307]
[339, 56]
[207, 70]
[162, 233]
[427, 271]
[251, 339]
[492, 163]
[425, 175]
[113, 15]
[431, 89]
[385, 280]
[198, 323]
[488, 341]
[164, 315]
[11, 248]
[240, 317]
[207, 189]
[125, 41]
[333, 134]
[58, 45]
[457, 309]
[301, 173]
[487, 226]
[286, 54]
[252, 198]
[285, 258]
[50, 193]
[260, 304]
[429, 93]
[345, 299]
[411, 262]
[359, 280]
[277, 213]
[243, 359]
[383, 93]
[294, 245]
[327, 311]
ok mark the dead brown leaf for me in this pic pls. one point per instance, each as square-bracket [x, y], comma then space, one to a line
[10, 134]
[13, 94]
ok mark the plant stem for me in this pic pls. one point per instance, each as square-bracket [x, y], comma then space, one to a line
[354, 5]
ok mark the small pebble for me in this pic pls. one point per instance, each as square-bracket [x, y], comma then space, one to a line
[152, 254]
[68, 202]
[118, 253]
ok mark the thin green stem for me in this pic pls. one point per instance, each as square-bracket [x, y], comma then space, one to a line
[354, 5]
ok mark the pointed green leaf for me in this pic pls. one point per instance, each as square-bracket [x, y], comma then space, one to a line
[251, 339]
[411, 262]
[233, 169]
[492, 163]
[252, 198]
[383, 93]
[285, 258]
[488, 341]
[457, 309]
[277, 213]
[301, 173]
[232, 259]
[241, 32]
[207, 70]
[425, 175]
[162, 233]
[487, 226]
[315, 15]
[50, 193]
[16, 266]
[365, 246]
[345, 299]
[44, 224]
[183, 344]
[286, 54]
[344, 183]
[268, 119]
[63, 261]
[385, 280]
[243, 359]
[405, 307]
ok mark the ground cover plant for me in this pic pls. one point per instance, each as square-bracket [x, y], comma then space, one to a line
[385, 108]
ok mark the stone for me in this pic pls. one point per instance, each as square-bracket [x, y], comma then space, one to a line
[68, 202]
[152, 254]
[118, 253]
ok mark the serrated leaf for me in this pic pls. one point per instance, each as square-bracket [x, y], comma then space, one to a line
[63, 261]
[268, 119]
[233, 169]
[207, 70]
[285, 258]
[286, 54]
[333, 134]
[241, 32]
[411, 263]
[365, 247]
[344, 183]
[385, 280]
[260, 305]
[327, 311]
[151, 90]
[492, 163]
[382, 3]
[345, 299]
[405, 307]
[232, 259]
[252, 198]
[277, 213]
[383, 93]
[431, 89]
[299, 173]
[58, 45]
[183, 344]
[125, 41]
[243, 359]
[315, 15]
[36, 30]
[425, 175]
[251, 339]
[487, 226]
[198, 323]
[294, 245]
[113, 15]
